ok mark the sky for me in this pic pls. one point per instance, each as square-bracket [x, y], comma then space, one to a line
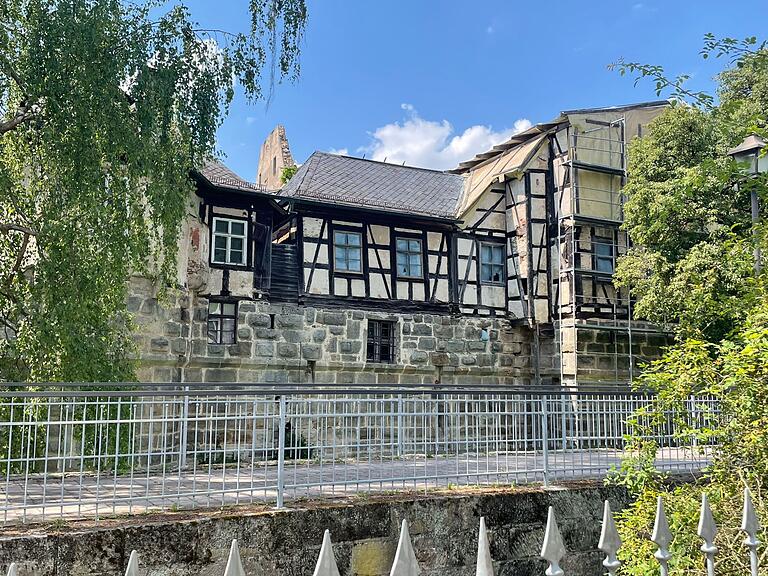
[432, 82]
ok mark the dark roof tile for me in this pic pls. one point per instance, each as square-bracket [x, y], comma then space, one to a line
[357, 182]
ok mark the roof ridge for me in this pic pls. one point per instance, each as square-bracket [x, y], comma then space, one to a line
[432, 170]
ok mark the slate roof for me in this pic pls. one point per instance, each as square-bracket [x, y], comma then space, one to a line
[356, 182]
[219, 175]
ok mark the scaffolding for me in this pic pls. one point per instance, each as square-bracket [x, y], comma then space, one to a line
[594, 328]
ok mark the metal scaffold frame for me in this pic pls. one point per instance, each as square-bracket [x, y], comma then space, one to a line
[612, 312]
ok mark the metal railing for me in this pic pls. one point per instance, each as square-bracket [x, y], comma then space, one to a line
[71, 451]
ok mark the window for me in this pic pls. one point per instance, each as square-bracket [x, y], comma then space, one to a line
[381, 341]
[603, 255]
[409, 258]
[274, 166]
[347, 251]
[222, 322]
[229, 238]
[492, 263]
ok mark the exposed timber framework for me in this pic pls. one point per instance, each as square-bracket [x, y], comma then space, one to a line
[499, 270]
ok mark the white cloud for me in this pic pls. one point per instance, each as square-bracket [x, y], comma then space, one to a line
[433, 144]
[339, 151]
[250, 120]
[490, 30]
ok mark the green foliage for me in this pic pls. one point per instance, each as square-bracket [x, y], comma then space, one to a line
[105, 107]
[688, 207]
[688, 212]
[735, 372]
[288, 173]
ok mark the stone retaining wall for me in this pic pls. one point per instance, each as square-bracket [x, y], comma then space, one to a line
[286, 543]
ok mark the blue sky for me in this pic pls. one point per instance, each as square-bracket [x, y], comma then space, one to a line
[433, 82]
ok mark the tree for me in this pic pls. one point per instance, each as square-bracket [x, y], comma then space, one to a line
[688, 213]
[288, 173]
[105, 108]
[687, 207]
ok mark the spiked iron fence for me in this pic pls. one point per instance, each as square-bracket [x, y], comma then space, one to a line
[86, 451]
[552, 551]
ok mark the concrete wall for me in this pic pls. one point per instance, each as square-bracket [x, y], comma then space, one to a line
[443, 529]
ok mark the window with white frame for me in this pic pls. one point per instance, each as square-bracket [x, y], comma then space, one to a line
[409, 262]
[491, 263]
[222, 322]
[347, 251]
[229, 241]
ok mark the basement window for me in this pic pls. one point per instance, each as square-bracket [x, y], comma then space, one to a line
[222, 322]
[229, 239]
[602, 249]
[347, 251]
[409, 258]
[381, 341]
[491, 263]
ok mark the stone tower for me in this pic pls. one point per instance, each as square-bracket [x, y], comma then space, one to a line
[274, 156]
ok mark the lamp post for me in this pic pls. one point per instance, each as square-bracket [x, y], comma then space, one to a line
[748, 152]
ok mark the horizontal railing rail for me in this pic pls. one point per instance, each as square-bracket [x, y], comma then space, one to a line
[89, 450]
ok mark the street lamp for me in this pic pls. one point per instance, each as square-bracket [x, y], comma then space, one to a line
[749, 153]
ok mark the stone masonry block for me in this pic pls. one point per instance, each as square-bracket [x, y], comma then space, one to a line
[265, 349]
[422, 329]
[332, 318]
[287, 350]
[311, 351]
[289, 320]
[419, 357]
[259, 320]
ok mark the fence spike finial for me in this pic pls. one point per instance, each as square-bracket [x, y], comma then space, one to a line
[484, 561]
[326, 561]
[662, 537]
[234, 563]
[707, 530]
[13, 570]
[405, 563]
[610, 542]
[133, 565]
[553, 549]
[750, 525]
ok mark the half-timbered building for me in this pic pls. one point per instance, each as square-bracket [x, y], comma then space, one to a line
[365, 271]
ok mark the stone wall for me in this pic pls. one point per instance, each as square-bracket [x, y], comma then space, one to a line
[275, 154]
[279, 343]
[286, 543]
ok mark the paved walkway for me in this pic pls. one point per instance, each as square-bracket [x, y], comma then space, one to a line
[38, 497]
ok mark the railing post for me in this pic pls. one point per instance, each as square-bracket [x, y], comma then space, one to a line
[399, 425]
[184, 430]
[281, 455]
[545, 438]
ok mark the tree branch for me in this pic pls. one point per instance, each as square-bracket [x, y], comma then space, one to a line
[23, 115]
[17, 228]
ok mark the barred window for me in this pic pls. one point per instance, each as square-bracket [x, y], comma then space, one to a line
[492, 263]
[222, 322]
[347, 251]
[229, 239]
[381, 341]
[409, 258]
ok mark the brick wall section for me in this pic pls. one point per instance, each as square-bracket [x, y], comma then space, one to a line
[288, 343]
